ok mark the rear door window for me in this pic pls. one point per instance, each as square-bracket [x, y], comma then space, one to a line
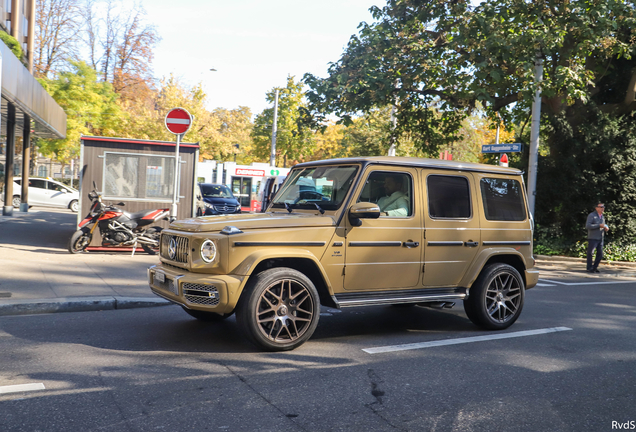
[448, 197]
[38, 183]
[503, 199]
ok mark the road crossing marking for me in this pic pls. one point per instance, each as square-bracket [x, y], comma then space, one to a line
[445, 342]
[21, 388]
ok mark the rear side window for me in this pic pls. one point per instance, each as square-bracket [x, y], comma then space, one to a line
[503, 199]
[448, 197]
[37, 183]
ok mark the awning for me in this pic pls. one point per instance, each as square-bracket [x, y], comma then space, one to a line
[21, 89]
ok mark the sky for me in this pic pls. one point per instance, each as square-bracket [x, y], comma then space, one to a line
[253, 44]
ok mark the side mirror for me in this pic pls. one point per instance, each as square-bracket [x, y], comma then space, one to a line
[363, 210]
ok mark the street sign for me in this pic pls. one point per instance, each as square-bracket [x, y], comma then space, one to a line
[501, 148]
[503, 161]
[178, 121]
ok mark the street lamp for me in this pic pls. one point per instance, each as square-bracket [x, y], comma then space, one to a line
[237, 147]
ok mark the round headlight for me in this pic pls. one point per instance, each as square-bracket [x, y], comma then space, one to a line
[208, 251]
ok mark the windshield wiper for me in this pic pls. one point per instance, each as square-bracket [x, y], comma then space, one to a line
[288, 207]
[319, 208]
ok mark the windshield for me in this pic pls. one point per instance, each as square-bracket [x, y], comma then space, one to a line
[215, 191]
[326, 186]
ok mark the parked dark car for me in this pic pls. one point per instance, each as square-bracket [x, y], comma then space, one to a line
[216, 199]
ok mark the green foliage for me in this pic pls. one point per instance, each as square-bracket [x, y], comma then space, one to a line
[612, 251]
[437, 60]
[294, 139]
[594, 161]
[90, 106]
[12, 43]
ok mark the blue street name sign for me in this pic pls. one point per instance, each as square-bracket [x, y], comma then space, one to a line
[502, 148]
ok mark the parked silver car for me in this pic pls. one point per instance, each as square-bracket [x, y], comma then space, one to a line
[48, 193]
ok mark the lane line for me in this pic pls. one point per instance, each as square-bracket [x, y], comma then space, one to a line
[445, 342]
[545, 284]
[21, 388]
[589, 283]
[554, 282]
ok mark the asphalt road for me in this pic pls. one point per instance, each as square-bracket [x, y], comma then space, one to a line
[159, 369]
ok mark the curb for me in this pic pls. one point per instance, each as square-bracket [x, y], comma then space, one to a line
[76, 304]
[555, 258]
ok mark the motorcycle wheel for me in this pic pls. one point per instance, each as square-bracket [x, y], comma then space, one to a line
[79, 241]
[154, 232]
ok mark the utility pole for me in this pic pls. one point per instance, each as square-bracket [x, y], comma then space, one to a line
[533, 162]
[272, 156]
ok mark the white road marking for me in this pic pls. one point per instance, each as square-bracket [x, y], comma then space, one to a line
[590, 283]
[21, 388]
[412, 346]
[545, 284]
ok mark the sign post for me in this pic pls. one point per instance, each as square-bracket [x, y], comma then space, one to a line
[178, 121]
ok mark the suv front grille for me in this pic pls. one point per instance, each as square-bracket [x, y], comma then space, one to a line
[225, 208]
[175, 248]
[200, 294]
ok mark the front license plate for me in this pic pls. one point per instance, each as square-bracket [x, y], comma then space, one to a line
[160, 277]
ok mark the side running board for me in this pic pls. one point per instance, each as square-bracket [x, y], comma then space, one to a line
[373, 298]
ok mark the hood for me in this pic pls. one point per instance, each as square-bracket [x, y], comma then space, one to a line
[244, 221]
[221, 201]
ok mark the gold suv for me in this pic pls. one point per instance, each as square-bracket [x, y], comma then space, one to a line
[357, 232]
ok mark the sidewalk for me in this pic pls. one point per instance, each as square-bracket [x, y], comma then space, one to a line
[39, 275]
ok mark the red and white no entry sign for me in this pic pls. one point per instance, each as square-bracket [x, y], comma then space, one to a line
[178, 121]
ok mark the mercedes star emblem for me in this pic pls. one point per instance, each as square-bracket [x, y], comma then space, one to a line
[172, 249]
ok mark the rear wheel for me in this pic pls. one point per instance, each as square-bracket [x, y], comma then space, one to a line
[154, 233]
[279, 309]
[74, 206]
[496, 299]
[16, 201]
[206, 316]
[79, 241]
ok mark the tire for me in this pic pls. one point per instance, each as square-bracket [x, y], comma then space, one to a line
[496, 298]
[73, 206]
[16, 201]
[206, 316]
[279, 309]
[79, 241]
[154, 232]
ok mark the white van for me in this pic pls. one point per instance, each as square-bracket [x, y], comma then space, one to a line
[268, 188]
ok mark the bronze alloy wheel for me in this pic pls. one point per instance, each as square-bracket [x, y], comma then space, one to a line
[503, 297]
[279, 309]
[285, 310]
[496, 298]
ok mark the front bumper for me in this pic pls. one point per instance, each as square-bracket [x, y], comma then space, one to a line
[212, 293]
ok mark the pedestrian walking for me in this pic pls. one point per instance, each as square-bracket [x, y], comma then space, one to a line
[596, 229]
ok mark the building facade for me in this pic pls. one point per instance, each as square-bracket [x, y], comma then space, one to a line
[27, 110]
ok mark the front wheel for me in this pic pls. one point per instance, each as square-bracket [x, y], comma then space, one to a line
[79, 241]
[496, 298]
[16, 201]
[279, 309]
[154, 233]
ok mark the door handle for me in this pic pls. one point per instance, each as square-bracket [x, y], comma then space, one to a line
[410, 244]
[471, 243]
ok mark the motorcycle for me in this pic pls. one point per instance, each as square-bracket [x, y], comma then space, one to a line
[118, 227]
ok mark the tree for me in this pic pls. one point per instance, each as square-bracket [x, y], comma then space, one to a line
[90, 107]
[57, 27]
[293, 138]
[451, 56]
